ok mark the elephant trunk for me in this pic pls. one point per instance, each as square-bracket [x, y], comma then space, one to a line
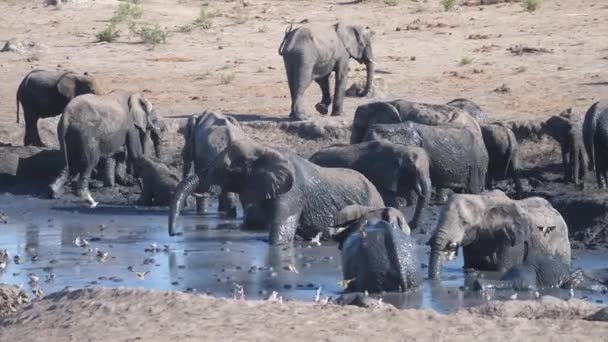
[423, 190]
[370, 66]
[156, 142]
[184, 189]
[435, 263]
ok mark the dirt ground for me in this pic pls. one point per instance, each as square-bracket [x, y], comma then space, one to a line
[142, 315]
[424, 54]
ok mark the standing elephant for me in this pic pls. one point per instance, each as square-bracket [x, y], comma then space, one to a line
[395, 170]
[94, 127]
[470, 107]
[290, 194]
[206, 136]
[491, 228]
[43, 94]
[595, 136]
[457, 157]
[503, 150]
[312, 53]
[377, 251]
[567, 130]
[398, 111]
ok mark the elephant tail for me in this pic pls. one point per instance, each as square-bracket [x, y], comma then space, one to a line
[287, 32]
[512, 149]
[184, 189]
[62, 129]
[17, 97]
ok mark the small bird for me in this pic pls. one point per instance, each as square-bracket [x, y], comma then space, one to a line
[81, 242]
[3, 259]
[141, 275]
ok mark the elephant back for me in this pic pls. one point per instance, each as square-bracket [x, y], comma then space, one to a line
[548, 230]
[597, 110]
[435, 115]
[370, 114]
[470, 107]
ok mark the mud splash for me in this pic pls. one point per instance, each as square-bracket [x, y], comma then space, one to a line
[129, 247]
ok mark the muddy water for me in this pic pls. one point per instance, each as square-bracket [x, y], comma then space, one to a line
[212, 256]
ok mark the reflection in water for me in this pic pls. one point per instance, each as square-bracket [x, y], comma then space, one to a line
[211, 256]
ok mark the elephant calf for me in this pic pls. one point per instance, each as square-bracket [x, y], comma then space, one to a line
[44, 94]
[157, 182]
[567, 130]
[503, 150]
[457, 156]
[377, 251]
[288, 193]
[395, 170]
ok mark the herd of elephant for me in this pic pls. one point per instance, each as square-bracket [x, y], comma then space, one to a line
[352, 193]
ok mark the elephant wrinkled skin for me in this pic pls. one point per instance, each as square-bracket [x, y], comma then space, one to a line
[503, 151]
[567, 130]
[595, 137]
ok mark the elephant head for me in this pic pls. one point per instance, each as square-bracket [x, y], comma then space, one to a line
[558, 126]
[414, 175]
[359, 46]
[72, 84]
[369, 114]
[354, 217]
[467, 218]
[144, 117]
[255, 172]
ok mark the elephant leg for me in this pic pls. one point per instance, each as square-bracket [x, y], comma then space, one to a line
[32, 137]
[202, 203]
[89, 161]
[566, 165]
[323, 106]
[519, 189]
[146, 197]
[110, 172]
[254, 218]
[340, 88]
[227, 204]
[57, 187]
[299, 78]
[600, 172]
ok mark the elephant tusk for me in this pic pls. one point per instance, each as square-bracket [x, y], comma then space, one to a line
[373, 62]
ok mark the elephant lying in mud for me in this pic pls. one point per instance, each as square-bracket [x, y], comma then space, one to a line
[595, 137]
[541, 272]
[377, 251]
[503, 153]
[567, 130]
[470, 107]
[289, 194]
[157, 182]
[206, 136]
[94, 127]
[395, 170]
[44, 94]
[399, 111]
[458, 157]
[493, 231]
[312, 53]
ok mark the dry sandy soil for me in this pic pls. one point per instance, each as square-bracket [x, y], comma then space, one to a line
[234, 67]
[141, 315]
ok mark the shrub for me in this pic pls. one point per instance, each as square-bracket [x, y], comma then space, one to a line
[448, 5]
[152, 35]
[466, 60]
[391, 2]
[203, 20]
[109, 34]
[227, 78]
[531, 5]
[127, 11]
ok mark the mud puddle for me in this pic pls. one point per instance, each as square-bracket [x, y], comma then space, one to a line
[129, 247]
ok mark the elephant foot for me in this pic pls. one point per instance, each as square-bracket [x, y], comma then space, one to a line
[336, 113]
[230, 212]
[54, 192]
[322, 108]
[298, 116]
[90, 202]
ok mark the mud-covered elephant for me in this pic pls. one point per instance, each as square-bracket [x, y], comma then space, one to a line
[458, 158]
[206, 135]
[395, 170]
[94, 127]
[542, 272]
[398, 111]
[312, 53]
[377, 251]
[567, 130]
[595, 137]
[43, 94]
[503, 151]
[491, 228]
[290, 194]
[470, 107]
[157, 182]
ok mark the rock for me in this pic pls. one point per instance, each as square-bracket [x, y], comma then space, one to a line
[361, 300]
[600, 316]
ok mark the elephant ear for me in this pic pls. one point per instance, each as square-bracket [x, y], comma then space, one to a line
[66, 85]
[396, 218]
[270, 175]
[233, 121]
[140, 110]
[352, 38]
[510, 222]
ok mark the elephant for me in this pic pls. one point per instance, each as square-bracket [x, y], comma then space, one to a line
[377, 251]
[457, 157]
[314, 52]
[491, 228]
[395, 170]
[44, 94]
[541, 272]
[470, 107]
[398, 111]
[94, 127]
[503, 151]
[567, 130]
[206, 136]
[595, 137]
[157, 182]
[290, 194]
